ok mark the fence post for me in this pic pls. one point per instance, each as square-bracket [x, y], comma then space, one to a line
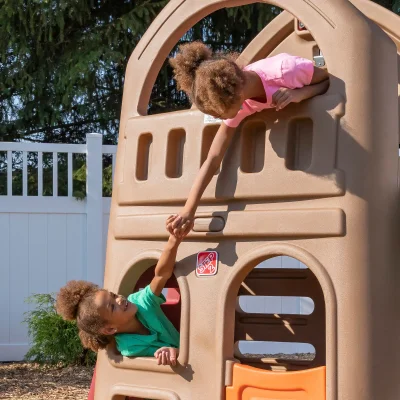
[94, 208]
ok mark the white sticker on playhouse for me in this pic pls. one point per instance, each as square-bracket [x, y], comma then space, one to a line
[207, 263]
[208, 119]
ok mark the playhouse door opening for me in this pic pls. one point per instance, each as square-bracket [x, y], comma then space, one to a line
[280, 334]
[280, 317]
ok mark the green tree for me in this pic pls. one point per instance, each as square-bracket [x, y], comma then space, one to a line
[62, 62]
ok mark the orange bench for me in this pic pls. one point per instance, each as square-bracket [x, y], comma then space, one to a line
[251, 383]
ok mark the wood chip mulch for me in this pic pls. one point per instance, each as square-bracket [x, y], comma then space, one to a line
[28, 381]
[25, 381]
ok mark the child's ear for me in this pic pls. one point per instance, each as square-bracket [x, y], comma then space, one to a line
[108, 330]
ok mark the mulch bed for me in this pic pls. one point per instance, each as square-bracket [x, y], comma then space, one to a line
[26, 381]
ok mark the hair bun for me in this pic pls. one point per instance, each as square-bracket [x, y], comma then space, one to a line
[186, 62]
[70, 296]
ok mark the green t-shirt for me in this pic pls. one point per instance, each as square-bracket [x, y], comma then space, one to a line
[149, 313]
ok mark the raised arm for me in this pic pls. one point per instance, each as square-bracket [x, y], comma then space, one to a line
[165, 265]
[213, 161]
[182, 223]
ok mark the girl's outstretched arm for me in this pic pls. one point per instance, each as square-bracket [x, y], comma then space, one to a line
[183, 222]
[165, 265]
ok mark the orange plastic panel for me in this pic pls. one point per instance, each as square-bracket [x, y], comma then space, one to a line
[255, 384]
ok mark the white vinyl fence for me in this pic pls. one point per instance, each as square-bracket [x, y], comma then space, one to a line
[47, 240]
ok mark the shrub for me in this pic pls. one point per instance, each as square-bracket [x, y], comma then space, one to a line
[54, 341]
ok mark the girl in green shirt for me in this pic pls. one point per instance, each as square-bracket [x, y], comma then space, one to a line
[138, 324]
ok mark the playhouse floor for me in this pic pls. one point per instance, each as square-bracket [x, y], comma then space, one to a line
[29, 382]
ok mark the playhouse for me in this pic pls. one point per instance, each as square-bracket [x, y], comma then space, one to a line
[316, 181]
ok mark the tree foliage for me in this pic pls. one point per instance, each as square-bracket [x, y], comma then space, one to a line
[62, 65]
[62, 62]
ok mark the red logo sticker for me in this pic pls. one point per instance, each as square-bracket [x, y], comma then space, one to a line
[207, 263]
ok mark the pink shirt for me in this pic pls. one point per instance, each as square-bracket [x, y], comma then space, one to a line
[282, 70]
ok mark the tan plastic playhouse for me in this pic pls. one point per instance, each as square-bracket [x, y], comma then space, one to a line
[317, 182]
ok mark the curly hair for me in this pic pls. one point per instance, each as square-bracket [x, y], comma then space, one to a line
[75, 302]
[214, 82]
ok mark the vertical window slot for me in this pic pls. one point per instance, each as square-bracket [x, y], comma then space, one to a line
[143, 156]
[299, 145]
[175, 150]
[253, 147]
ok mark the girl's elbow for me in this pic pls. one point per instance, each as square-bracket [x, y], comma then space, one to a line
[168, 275]
[319, 75]
[324, 74]
[326, 83]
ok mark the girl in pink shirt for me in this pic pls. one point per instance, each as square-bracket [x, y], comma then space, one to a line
[222, 89]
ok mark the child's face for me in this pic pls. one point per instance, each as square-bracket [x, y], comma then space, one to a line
[116, 310]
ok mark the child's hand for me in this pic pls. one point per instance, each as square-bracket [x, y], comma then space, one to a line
[166, 356]
[284, 96]
[180, 225]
